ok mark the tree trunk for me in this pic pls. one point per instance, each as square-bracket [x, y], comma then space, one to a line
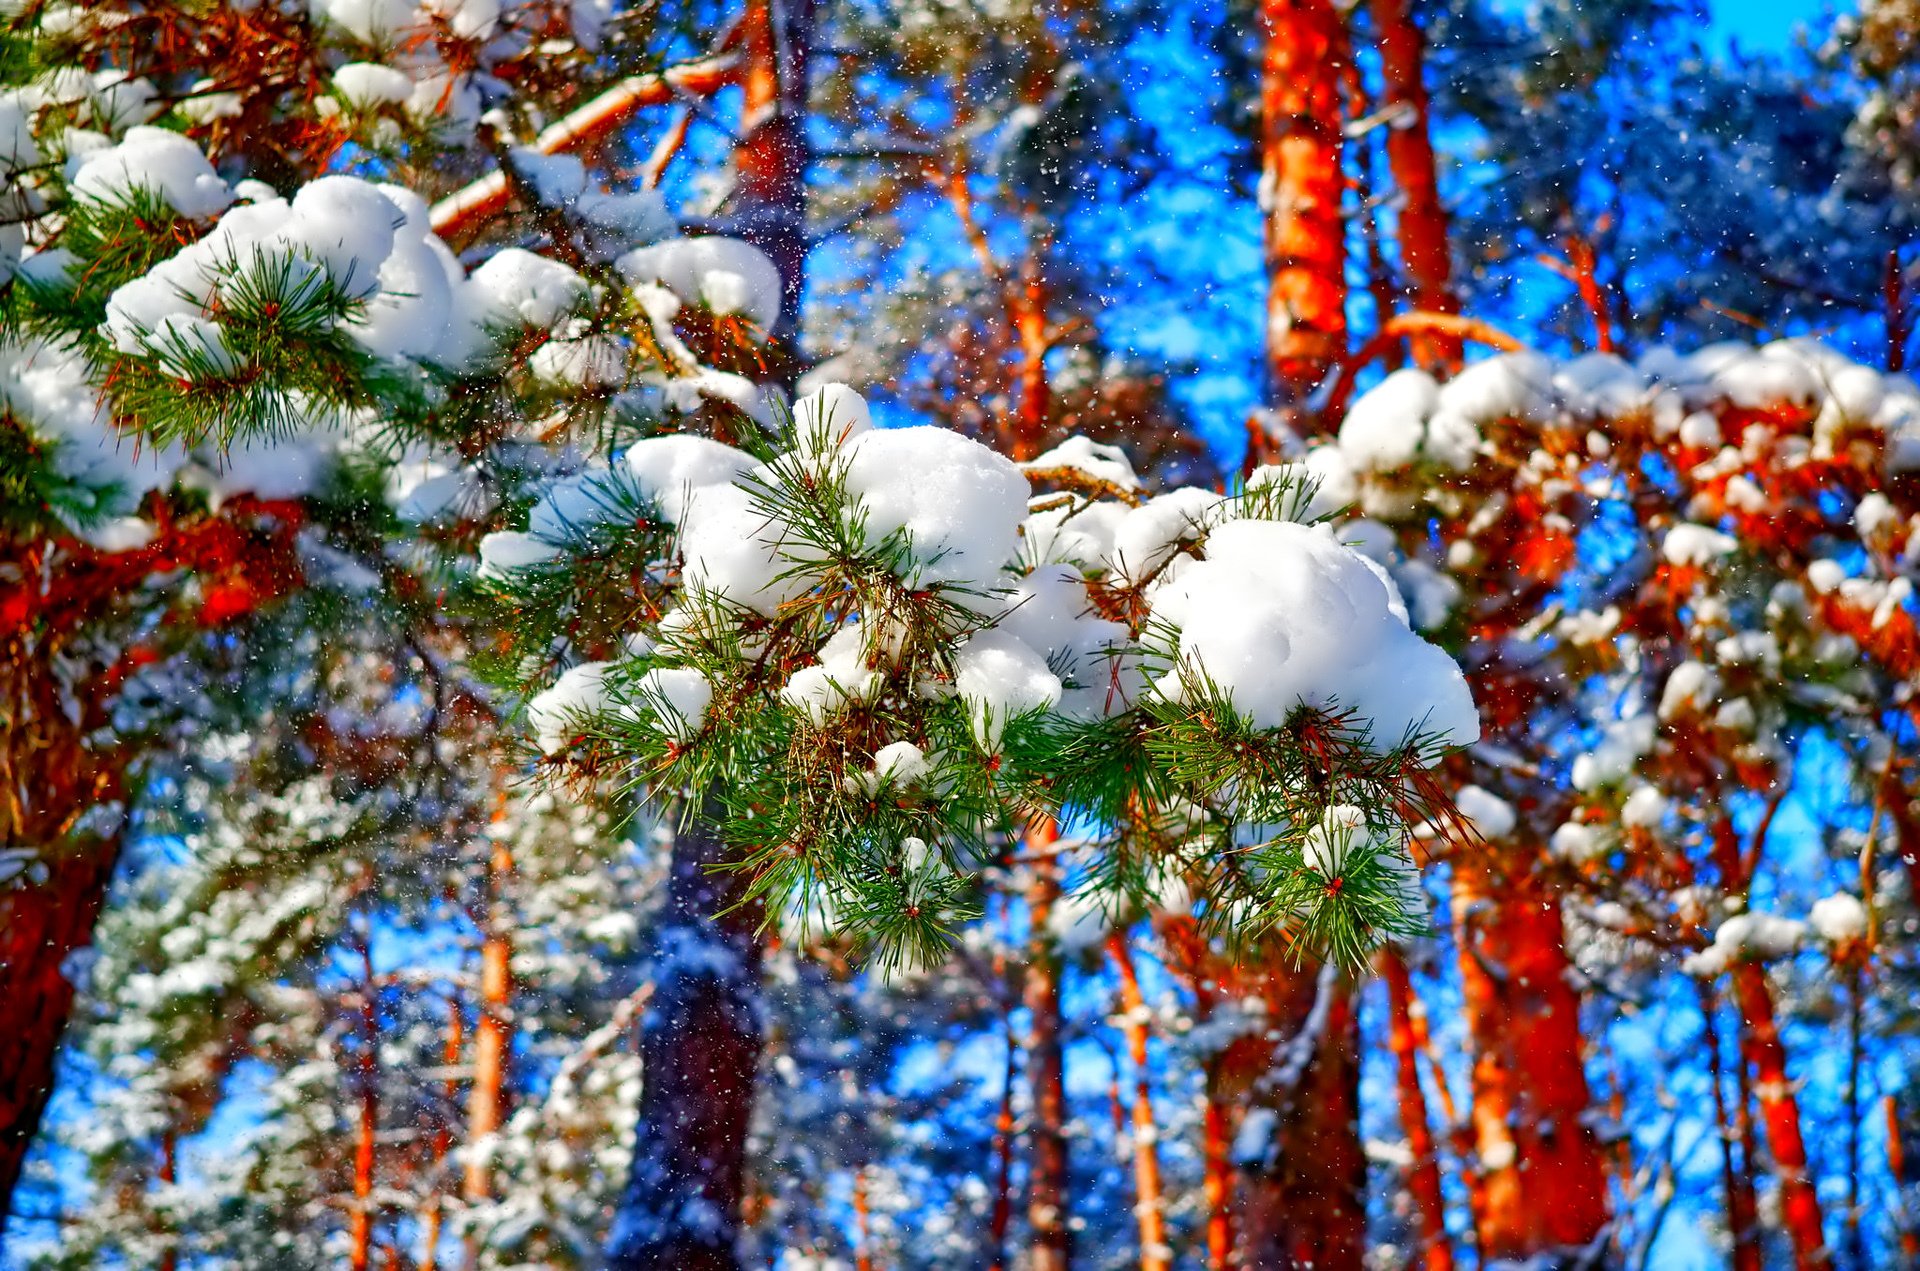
[1304, 1199]
[1736, 1172]
[1046, 1071]
[1763, 1051]
[1544, 1192]
[1423, 1171]
[492, 1034]
[699, 1046]
[1301, 188]
[1149, 1206]
[1425, 258]
[772, 157]
[41, 925]
[434, 1216]
[367, 1073]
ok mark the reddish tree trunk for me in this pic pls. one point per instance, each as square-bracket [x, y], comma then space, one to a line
[699, 1047]
[772, 157]
[1304, 1203]
[41, 925]
[1001, 1216]
[493, 1031]
[1764, 1052]
[360, 1231]
[1423, 1172]
[1425, 258]
[1736, 1174]
[1046, 1072]
[1149, 1206]
[1543, 1179]
[1304, 45]
[435, 1211]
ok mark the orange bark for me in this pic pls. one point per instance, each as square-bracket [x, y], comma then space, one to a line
[1423, 1174]
[360, 1229]
[1542, 1175]
[493, 1033]
[1764, 1052]
[1304, 48]
[470, 207]
[435, 1215]
[1002, 1213]
[1736, 1175]
[1149, 1204]
[1897, 1167]
[771, 159]
[1425, 258]
[1046, 1071]
[1302, 1198]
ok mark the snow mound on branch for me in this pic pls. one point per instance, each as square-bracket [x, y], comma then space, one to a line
[158, 161]
[46, 387]
[1838, 919]
[1490, 814]
[1280, 616]
[733, 550]
[1106, 464]
[958, 504]
[1148, 535]
[827, 416]
[725, 274]
[557, 713]
[1000, 677]
[669, 469]
[1747, 938]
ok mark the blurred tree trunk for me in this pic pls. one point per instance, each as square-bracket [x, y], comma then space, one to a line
[493, 1027]
[772, 157]
[700, 1034]
[1047, 1189]
[1149, 1206]
[1425, 258]
[700, 1048]
[1762, 1050]
[1423, 1171]
[367, 1076]
[1304, 51]
[1542, 1176]
[1304, 1197]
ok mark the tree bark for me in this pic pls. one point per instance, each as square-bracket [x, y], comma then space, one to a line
[1304, 1202]
[772, 157]
[367, 1073]
[1047, 1188]
[699, 1046]
[493, 1031]
[1304, 49]
[1423, 1172]
[1149, 1205]
[1736, 1172]
[1425, 257]
[1763, 1051]
[1544, 1192]
[41, 925]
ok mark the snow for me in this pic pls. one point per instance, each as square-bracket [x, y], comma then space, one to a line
[841, 676]
[1081, 533]
[557, 713]
[679, 696]
[1491, 815]
[1280, 615]
[957, 503]
[1747, 937]
[1644, 809]
[1326, 845]
[1385, 426]
[828, 416]
[1148, 535]
[154, 159]
[1051, 611]
[1579, 843]
[1506, 386]
[47, 387]
[1001, 677]
[1691, 686]
[363, 85]
[900, 764]
[1614, 755]
[669, 469]
[1696, 545]
[506, 550]
[725, 274]
[732, 550]
[1105, 464]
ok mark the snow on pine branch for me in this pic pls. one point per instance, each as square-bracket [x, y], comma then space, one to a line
[876, 645]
